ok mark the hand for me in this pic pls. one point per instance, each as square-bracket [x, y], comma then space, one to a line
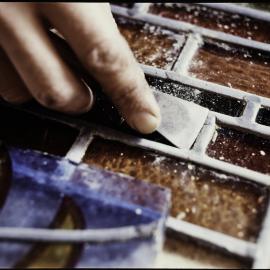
[32, 67]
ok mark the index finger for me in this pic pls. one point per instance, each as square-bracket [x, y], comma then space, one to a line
[92, 33]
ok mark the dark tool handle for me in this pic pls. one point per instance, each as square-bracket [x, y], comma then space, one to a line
[103, 107]
[72, 60]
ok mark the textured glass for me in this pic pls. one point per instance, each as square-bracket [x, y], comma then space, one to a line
[151, 45]
[214, 200]
[231, 23]
[212, 101]
[234, 67]
[242, 149]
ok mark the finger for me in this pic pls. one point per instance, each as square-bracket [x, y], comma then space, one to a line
[45, 74]
[93, 34]
[12, 88]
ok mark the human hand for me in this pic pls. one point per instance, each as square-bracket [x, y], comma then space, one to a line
[31, 67]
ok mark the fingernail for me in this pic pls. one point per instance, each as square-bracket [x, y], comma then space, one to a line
[146, 122]
[90, 103]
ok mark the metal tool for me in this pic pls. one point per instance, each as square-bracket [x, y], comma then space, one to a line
[181, 120]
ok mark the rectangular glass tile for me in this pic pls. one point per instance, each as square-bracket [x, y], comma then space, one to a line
[199, 195]
[235, 67]
[21, 129]
[215, 19]
[242, 149]
[214, 102]
[151, 45]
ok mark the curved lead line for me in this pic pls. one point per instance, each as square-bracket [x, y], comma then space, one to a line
[77, 236]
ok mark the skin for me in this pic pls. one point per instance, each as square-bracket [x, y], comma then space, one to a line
[30, 66]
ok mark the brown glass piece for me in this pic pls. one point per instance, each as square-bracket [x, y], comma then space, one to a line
[190, 254]
[231, 23]
[21, 129]
[199, 196]
[239, 68]
[214, 102]
[242, 149]
[150, 44]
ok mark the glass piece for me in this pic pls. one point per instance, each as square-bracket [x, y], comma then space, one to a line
[263, 116]
[189, 254]
[103, 201]
[5, 173]
[199, 195]
[122, 4]
[25, 130]
[27, 205]
[260, 6]
[212, 101]
[235, 67]
[57, 255]
[242, 149]
[215, 19]
[151, 45]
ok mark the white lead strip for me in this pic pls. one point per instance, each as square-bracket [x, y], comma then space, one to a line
[77, 236]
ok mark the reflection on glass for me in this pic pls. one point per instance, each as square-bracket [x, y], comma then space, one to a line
[212, 101]
[57, 255]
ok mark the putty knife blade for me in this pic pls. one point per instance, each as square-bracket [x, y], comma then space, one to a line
[181, 120]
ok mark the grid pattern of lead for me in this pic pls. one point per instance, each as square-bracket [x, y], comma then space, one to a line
[256, 251]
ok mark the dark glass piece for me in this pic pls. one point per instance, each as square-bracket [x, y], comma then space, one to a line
[214, 102]
[5, 173]
[25, 130]
[215, 19]
[263, 117]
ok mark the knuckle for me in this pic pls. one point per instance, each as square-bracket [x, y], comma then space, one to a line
[105, 56]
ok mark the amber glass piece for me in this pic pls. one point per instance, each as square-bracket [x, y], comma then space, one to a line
[24, 130]
[201, 196]
[57, 255]
[151, 45]
[214, 102]
[235, 67]
[231, 23]
[242, 149]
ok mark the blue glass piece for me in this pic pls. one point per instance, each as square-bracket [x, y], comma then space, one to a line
[105, 200]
